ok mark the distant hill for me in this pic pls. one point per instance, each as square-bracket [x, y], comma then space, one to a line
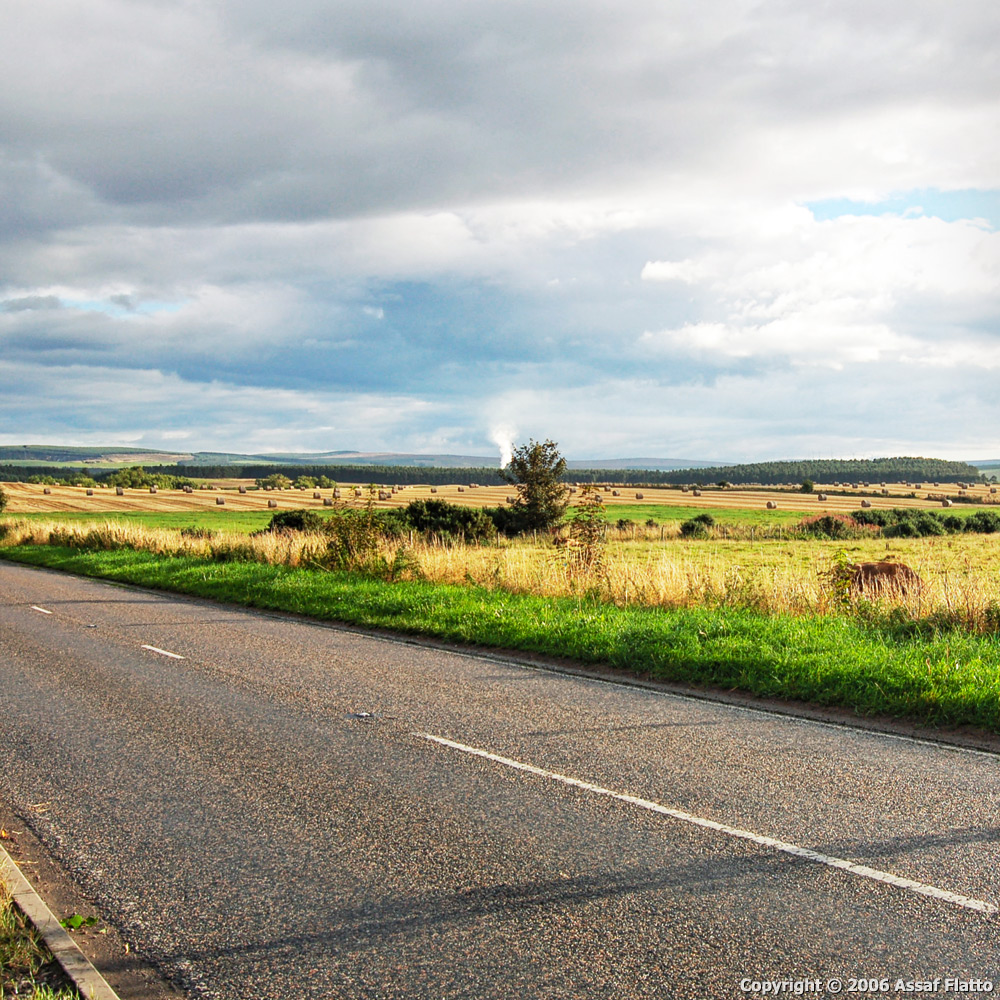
[40, 454]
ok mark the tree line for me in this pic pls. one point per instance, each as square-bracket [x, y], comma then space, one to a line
[762, 473]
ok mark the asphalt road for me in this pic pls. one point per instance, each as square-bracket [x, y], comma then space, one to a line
[250, 830]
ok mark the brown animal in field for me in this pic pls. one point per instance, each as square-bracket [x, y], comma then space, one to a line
[881, 579]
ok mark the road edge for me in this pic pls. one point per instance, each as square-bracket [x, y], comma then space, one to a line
[88, 981]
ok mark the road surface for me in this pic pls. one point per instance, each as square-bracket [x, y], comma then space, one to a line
[269, 808]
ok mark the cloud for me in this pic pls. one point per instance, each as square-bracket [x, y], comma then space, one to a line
[342, 203]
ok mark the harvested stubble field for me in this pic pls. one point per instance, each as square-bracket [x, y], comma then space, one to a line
[660, 503]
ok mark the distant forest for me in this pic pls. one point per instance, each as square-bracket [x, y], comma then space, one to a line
[896, 470]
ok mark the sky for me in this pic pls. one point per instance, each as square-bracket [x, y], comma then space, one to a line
[731, 230]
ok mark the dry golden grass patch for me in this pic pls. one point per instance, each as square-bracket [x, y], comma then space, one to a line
[960, 572]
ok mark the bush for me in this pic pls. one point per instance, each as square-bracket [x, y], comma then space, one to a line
[508, 521]
[295, 520]
[193, 532]
[3, 499]
[901, 529]
[697, 527]
[836, 526]
[448, 521]
[986, 522]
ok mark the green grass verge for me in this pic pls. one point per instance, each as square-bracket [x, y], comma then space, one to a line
[947, 679]
[27, 968]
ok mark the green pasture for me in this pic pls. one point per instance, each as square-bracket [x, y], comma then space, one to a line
[218, 519]
[666, 514]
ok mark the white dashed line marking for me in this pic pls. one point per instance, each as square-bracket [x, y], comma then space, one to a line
[163, 652]
[35, 607]
[956, 899]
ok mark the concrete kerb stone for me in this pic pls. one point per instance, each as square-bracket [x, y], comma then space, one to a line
[89, 982]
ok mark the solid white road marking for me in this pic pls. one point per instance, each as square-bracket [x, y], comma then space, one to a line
[862, 871]
[35, 607]
[163, 652]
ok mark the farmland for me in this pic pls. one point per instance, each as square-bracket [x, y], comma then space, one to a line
[660, 504]
[755, 589]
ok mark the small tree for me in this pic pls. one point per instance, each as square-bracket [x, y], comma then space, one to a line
[807, 486]
[589, 529]
[535, 469]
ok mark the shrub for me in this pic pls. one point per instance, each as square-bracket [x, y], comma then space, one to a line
[986, 522]
[836, 526]
[807, 486]
[3, 499]
[194, 532]
[697, 527]
[295, 520]
[448, 521]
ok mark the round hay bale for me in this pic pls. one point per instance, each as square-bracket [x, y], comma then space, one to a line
[638, 496]
[821, 497]
[220, 501]
[270, 503]
[119, 491]
[90, 493]
[327, 501]
[866, 503]
[771, 505]
[243, 489]
[317, 496]
[47, 491]
[947, 503]
[696, 493]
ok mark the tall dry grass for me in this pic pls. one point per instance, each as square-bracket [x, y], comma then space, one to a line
[778, 576]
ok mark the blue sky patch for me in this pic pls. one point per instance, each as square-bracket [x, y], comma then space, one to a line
[947, 205]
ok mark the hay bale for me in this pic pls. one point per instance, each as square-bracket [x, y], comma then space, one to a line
[152, 489]
[638, 496]
[615, 493]
[317, 496]
[90, 493]
[434, 489]
[327, 501]
[220, 501]
[821, 497]
[243, 489]
[771, 505]
[119, 491]
[696, 493]
[336, 494]
[47, 491]
[866, 503]
[272, 503]
[947, 503]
